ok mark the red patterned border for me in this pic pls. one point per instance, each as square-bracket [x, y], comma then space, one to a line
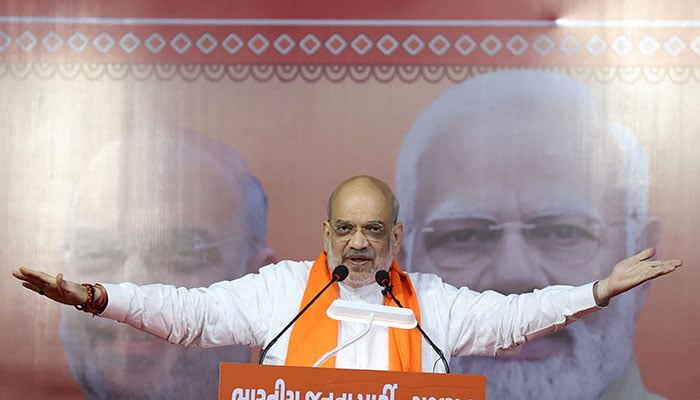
[350, 42]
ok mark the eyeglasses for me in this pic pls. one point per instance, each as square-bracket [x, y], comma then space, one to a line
[374, 231]
[465, 242]
[182, 251]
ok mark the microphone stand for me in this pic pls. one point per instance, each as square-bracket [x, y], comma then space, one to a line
[388, 289]
[339, 273]
[346, 344]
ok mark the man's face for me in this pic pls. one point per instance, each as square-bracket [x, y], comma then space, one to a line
[170, 221]
[514, 212]
[361, 234]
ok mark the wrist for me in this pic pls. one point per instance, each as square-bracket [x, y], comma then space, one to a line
[96, 300]
[599, 288]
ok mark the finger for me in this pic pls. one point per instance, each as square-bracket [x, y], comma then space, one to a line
[22, 273]
[28, 272]
[18, 274]
[665, 264]
[33, 288]
[656, 268]
[59, 282]
[62, 285]
[36, 276]
[668, 265]
[645, 254]
[29, 278]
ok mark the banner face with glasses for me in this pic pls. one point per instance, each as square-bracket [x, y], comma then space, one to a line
[528, 144]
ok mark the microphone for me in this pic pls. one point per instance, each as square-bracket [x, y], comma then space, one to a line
[383, 279]
[339, 274]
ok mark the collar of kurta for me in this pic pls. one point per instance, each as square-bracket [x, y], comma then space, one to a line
[315, 333]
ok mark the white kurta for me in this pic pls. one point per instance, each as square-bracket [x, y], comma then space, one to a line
[253, 309]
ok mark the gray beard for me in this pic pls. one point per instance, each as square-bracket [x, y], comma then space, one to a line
[195, 375]
[601, 351]
[361, 281]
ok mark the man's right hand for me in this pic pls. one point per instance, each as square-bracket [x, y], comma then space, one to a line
[55, 288]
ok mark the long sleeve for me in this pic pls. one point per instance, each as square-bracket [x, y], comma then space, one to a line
[242, 311]
[189, 317]
[466, 322]
[253, 309]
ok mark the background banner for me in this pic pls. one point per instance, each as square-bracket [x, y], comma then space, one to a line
[529, 144]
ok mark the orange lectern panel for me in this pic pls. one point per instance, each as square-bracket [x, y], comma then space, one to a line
[266, 382]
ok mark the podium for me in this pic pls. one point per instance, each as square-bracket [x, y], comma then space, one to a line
[268, 382]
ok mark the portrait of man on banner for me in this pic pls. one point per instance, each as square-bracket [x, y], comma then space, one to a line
[163, 204]
[516, 180]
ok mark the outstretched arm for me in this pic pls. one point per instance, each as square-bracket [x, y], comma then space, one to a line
[632, 272]
[227, 312]
[55, 288]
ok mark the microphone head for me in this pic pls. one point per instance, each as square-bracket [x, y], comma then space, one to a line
[382, 278]
[340, 273]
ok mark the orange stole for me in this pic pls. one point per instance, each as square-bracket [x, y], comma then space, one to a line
[315, 333]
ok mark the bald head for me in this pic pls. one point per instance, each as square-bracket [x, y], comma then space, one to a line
[363, 184]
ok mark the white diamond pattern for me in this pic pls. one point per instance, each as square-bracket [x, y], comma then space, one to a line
[413, 44]
[465, 45]
[675, 46]
[596, 45]
[78, 42]
[52, 42]
[648, 46]
[26, 41]
[129, 42]
[232, 44]
[258, 43]
[155, 43]
[336, 44]
[361, 44]
[181, 43]
[517, 45]
[207, 43]
[695, 46]
[5, 41]
[284, 44]
[622, 46]
[310, 44]
[103, 42]
[387, 44]
[543, 45]
[491, 45]
[569, 45]
[439, 45]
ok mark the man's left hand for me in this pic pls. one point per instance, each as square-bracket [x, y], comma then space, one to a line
[632, 272]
